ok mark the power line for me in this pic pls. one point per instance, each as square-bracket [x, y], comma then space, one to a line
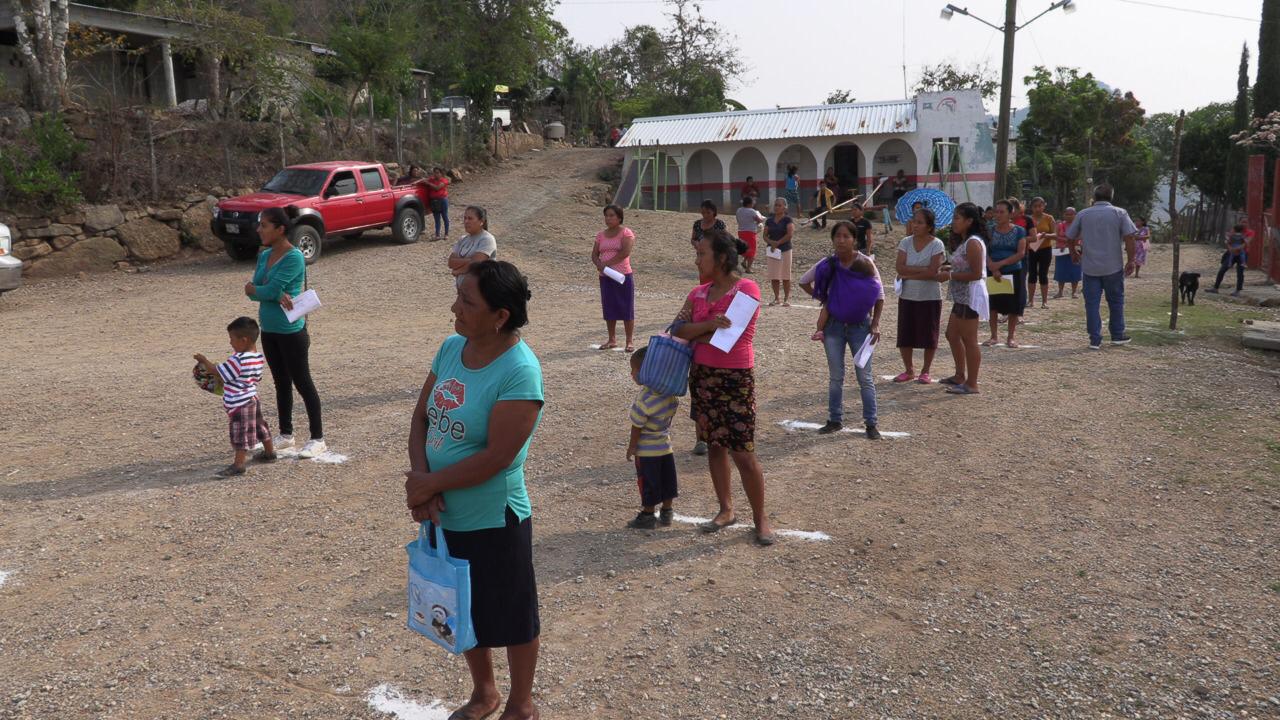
[1192, 11]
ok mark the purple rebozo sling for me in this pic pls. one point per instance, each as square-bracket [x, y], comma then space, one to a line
[847, 295]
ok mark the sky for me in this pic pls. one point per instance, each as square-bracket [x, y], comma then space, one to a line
[798, 51]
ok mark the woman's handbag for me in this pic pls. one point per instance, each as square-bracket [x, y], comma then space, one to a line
[979, 300]
[439, 593]
[665, 369]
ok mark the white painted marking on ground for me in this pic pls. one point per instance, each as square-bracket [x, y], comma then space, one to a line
[809, 535]
[387, 699]
[4, 575]
[617, 349]
[1020, 347]
[327, 457]
[807, 307]
[802, 425]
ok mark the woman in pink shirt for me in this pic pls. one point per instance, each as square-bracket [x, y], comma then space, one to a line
[722, 384]
[612, 249]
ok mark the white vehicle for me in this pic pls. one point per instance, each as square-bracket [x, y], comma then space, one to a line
[10, 266]
[458, 105]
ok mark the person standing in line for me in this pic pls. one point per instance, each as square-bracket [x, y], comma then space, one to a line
[862, 228]
[779, 230]
[476, 246]
[1141, 244]
[708, 222]
[1107, 235]
[847, 283]
[1044, 233]
[962, 325]
[1005, 253]
[722, 384]
[612, 249]
[750, 190]
[920, 254]
[900, 185]
[650, 448]
[278, 278]
[468, 440]
[749, 220]
[1066, 269]
[438, 197]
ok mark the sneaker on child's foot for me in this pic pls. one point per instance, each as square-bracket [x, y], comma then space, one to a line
[1236, 294]
[830, 427]
[1122, 340]
[699, 448]
[665, 516]
[643, 521]
[312, 449]
[282, 442]
[873, 433]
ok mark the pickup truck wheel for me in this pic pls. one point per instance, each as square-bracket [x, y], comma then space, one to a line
[241, 252]
[407, 226]
[307, 240]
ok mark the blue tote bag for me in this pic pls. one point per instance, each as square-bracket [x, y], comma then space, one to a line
[665, 369]
[439, 593]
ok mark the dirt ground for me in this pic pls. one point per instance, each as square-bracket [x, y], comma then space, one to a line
[1093, 536]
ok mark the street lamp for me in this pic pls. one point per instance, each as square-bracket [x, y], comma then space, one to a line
[1009, 29]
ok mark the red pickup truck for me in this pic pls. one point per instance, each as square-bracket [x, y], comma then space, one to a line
[334, 199]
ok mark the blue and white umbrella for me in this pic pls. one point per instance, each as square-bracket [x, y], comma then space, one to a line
[940, 203]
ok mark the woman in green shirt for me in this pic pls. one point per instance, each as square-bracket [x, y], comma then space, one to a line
[468, 440]
[277, 279]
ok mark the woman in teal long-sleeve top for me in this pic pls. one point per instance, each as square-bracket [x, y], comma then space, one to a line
[277, 279]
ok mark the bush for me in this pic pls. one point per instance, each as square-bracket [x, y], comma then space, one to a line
[40, 168]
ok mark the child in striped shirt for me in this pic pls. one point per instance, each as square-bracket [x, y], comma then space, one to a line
[240, 375]
[650, 446]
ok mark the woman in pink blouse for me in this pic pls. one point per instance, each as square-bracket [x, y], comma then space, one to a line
[612, 249]
[722, 384]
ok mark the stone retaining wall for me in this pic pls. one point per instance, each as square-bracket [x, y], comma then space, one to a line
[95, 238]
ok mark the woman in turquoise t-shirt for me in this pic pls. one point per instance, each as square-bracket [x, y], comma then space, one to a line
[278, 279]
[468, 440]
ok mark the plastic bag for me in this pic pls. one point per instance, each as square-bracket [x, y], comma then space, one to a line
[439, 593]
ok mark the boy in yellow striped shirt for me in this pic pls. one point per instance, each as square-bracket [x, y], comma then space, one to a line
[650, 446]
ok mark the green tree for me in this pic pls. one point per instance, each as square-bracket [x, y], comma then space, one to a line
[1207, 149]
[1236, 163]
[371, 52]
[949, 76]
[1266, 93]
[839, 97]
[1071, 118]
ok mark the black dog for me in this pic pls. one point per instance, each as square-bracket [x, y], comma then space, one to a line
[1188, 284]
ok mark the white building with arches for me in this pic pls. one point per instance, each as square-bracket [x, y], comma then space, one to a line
[939, 139]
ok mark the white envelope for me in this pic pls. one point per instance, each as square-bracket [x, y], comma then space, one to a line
[614, 275]
[897, 286]
[1058, 252]
[740, 312]
[773, 253]
[304, 304]
[863, 355]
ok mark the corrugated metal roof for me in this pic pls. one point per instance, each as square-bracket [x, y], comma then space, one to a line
[876, 118]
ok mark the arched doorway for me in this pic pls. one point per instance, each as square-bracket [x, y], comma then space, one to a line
[749, 162]
[848, 163]
[704, 177]
[806, 168]
[892, 156]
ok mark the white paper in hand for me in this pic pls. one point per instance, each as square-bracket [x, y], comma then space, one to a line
[1059, 252]
[773, 253]
[897, 286]
[740, 312]
[864, 353]
[304, 304]
[614, 275]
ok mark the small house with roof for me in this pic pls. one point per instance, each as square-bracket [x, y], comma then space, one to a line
[938, 139]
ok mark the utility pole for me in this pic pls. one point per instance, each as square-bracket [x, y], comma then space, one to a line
[1006, 98]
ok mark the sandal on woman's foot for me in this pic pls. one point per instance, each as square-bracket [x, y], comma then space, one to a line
[924, 379]
[772, 303]
[961, 390]
[990, 343]
[904, 377]
[609, 346]
[629, 349]
[765, 539]
[949, 381]
[1012, 344]
[711, 526]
